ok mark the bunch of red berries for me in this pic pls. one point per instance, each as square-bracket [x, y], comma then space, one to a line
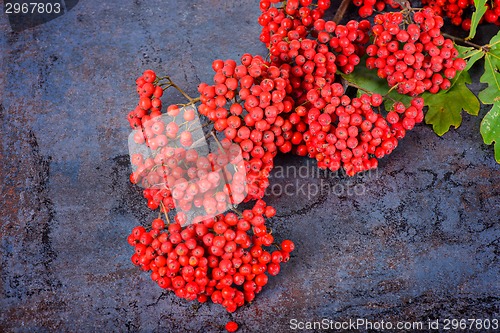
[457, 11]
[176, 172]
[460, 11]
[292, 21]
[245, 103]
[352, 134]
[322, 128]
[222, 258]
[345, 42]
[416, 58]
[149, 105]
[492, 14]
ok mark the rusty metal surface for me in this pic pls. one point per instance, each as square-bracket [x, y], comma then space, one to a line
[416, 240]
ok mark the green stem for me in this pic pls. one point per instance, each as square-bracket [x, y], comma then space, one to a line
[491, 45]
[390, 90]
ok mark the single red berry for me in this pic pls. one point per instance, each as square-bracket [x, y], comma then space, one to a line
[287, 246]
[231, 326]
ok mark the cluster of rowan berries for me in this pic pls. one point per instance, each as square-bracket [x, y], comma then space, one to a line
[459, 11]
[356, 135]
[225, 258]
[149, 105]
[413, 56]
[245, 103]
[416, 59]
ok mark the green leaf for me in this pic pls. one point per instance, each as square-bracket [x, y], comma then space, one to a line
[470, 54]
[490, 125]
[491, 74]
[476, 16]
[368, 80]
[490, 129]
[445, 107]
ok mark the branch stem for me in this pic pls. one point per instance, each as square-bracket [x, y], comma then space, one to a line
[237, 212]
[463, 41]
[170, 83]
[163, 209]
[217, 140]
[183, 93]
[339, 15]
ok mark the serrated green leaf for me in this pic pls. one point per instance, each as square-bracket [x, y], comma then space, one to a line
[491, 75]
[470, 54]
[490, 125]
[490, 129]
[445, 107]
[476, 16]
